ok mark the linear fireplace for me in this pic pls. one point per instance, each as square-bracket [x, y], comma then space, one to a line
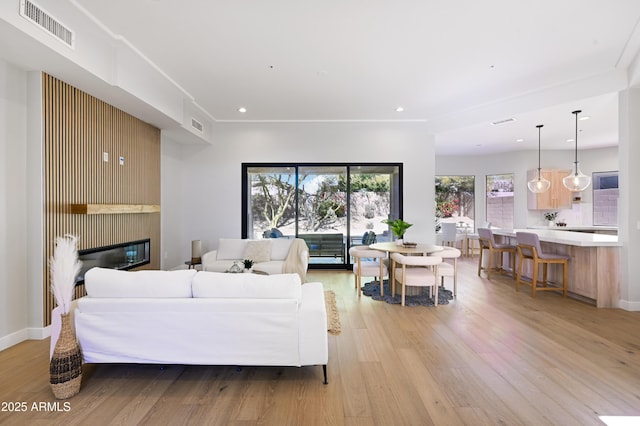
[117, 256]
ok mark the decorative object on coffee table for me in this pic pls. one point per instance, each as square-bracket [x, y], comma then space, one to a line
[65, 368]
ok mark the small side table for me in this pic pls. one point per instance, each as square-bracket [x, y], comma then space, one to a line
[191, 264]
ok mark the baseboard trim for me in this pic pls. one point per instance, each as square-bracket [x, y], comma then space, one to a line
[628, 305]
[33, 333]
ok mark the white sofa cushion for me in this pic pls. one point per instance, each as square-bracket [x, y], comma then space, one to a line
[280, 248]
[255, 286]
[231, 249]
[270, 268]
[104, 282]
[258, 251]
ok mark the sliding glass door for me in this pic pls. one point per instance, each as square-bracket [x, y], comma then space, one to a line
[330, 206]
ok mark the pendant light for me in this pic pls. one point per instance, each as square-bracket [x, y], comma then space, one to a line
[540, 184]
[576, 181]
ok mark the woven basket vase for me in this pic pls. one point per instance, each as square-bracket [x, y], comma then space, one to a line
[66, 363]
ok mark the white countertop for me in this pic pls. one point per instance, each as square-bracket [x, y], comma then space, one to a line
[576, 228]
[570, 238]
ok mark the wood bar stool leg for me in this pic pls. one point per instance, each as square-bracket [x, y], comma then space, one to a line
[565, 266]
[534, 278]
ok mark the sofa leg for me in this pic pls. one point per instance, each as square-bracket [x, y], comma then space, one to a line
[324, 371]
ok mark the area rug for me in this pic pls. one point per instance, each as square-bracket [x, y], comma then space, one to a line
[372, 289]
[333, 317]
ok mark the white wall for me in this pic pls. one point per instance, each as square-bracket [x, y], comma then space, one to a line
[14, 310]
[211, 175]
[172, 204]
[629, 203]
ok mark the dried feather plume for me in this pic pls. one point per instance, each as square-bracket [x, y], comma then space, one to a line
[64, 269]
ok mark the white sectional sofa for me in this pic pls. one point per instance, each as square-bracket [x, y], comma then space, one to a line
[199, 317]
[271, 256]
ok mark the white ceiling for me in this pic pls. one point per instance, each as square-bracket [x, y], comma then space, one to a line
[456, 66]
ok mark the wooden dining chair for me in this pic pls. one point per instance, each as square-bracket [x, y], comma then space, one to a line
[415, 271]
[449, 266]
[368, 263]
[529, 249]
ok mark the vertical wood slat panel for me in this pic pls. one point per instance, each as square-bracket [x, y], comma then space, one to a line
[78, 128]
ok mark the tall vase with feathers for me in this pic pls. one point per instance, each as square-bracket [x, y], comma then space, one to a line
[65, 367]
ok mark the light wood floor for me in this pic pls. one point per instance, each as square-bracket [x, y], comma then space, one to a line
[493, 356]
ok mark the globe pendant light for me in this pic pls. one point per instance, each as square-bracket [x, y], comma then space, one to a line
[540, 184]
[576, 181]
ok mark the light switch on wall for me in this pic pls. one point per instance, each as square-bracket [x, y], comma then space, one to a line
[122, 161]
[105, 157]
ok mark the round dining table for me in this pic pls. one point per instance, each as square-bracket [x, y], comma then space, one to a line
[394, 247]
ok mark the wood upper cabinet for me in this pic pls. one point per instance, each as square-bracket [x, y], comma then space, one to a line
[557, 197]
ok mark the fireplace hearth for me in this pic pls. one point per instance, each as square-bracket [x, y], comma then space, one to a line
[123, 256]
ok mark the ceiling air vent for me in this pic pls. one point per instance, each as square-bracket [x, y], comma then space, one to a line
[505, 121]
[196, 125]
[38, 16]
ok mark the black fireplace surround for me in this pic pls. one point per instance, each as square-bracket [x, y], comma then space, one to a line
[117, 256]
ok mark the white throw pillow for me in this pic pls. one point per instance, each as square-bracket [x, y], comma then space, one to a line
[231, 248]
[280, 248]
[104, 282]
[258, 251]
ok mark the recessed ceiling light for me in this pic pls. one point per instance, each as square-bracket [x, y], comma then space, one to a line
[520, 140]
[399, 109]
[242, 110]
[571, 140]
[586, 117]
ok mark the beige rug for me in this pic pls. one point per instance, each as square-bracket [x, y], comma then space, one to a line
[333, 317]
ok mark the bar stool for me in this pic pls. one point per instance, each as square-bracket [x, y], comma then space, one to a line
[422, 272]
[471, 246]
[368, 268]
[529, 249]
[488, 242]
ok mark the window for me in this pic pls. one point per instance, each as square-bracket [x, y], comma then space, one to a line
[331, 206]
[455, 200]
[500, 205]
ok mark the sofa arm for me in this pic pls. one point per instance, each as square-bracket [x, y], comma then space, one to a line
[314, 346]
[208, 258]
[304, 259]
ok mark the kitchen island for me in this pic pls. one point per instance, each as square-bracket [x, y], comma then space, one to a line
[594, 229]
[594, 265]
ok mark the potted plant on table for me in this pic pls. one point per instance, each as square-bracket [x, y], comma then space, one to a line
[248, 264]
[398, 227]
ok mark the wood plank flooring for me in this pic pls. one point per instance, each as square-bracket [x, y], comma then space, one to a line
[490, 357]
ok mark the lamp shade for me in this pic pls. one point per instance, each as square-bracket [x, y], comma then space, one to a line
[540, 184]
[576, 181]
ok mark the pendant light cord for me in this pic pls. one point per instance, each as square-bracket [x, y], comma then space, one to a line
[576, 149]
[539, 126]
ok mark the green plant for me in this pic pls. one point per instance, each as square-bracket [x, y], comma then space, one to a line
[398, 226]
[551, 215]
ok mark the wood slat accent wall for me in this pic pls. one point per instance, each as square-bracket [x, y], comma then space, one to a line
[78, 129]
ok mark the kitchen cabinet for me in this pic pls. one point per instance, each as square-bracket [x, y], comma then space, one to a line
[557, 197]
